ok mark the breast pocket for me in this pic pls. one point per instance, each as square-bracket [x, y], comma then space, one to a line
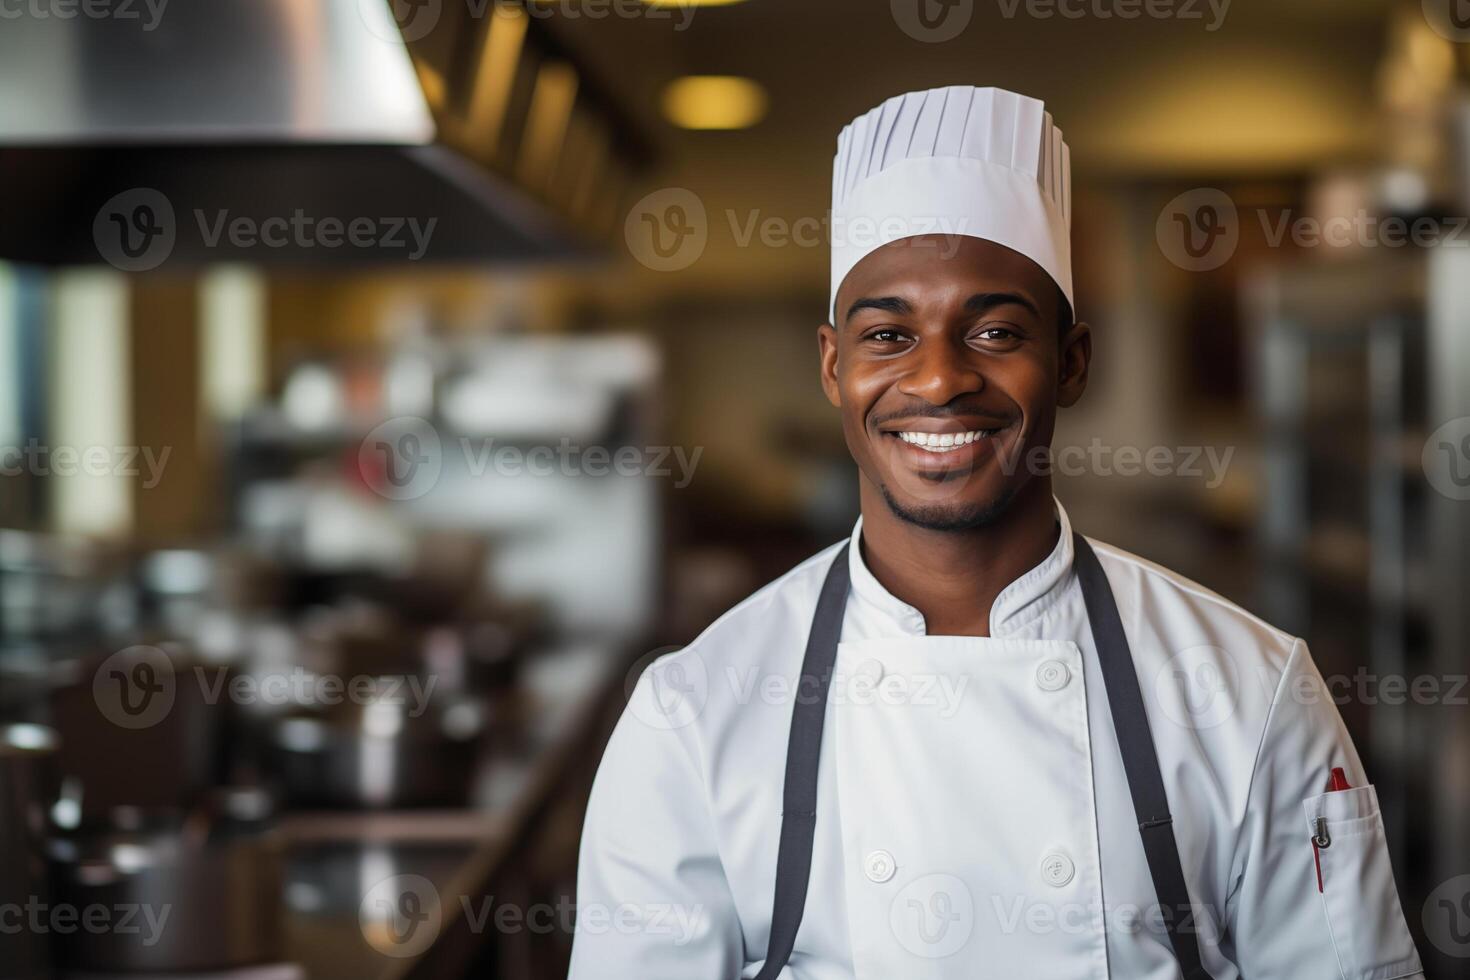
[1358, 894]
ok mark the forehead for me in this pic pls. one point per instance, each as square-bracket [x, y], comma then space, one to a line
[944, 270]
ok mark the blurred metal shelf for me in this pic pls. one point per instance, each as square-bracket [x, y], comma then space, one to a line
[1358, 362]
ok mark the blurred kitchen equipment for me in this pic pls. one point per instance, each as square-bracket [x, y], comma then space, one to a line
[49, 586]
[388, 742]
[142, 727]
[27, 789]
[205, 884]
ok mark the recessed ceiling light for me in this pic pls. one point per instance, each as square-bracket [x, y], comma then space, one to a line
[714, 102]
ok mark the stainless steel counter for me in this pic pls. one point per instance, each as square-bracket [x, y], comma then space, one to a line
[406, 894]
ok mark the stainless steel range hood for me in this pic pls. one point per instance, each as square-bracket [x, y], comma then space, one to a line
[171, 133]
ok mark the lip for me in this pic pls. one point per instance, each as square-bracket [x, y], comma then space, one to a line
[963, 458]
[941, 426]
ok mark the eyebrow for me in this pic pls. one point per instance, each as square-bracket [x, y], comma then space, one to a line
[978, 303]
[884, 304]
[985, 302]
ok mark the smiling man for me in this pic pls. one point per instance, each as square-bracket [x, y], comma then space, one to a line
[968, 742]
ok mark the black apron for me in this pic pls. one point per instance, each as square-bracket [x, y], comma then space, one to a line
[1125, 701]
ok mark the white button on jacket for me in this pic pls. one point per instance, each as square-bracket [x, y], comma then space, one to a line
[973, 815]
[879, 867]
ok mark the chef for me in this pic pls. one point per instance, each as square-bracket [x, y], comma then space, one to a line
[969, 742]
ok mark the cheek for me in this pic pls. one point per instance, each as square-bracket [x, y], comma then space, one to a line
[1029, 382]
[861, 387]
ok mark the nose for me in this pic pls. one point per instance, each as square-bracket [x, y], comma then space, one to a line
[938, 373]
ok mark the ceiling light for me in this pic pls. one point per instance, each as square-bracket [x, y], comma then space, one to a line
[714, 102]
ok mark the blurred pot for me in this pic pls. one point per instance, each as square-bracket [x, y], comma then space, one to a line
[27, 790]
[390, 746]
[142, 727]
[49, 586]
[202, 890]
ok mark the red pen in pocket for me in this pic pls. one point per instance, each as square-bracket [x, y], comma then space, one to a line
[1336, 783]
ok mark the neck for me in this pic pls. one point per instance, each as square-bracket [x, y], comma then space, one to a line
[954, 577]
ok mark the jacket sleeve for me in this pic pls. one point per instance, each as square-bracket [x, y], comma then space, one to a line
[652, 898]
[1281, 923]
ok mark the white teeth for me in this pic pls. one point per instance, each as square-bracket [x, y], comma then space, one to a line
[943, 442]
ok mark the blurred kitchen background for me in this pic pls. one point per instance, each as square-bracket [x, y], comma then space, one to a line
[381, 384]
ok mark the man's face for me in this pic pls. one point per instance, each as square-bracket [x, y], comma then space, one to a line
[946, 364]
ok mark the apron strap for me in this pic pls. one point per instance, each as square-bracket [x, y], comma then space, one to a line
[1135, 740]
[1140, 759]
[803, 756]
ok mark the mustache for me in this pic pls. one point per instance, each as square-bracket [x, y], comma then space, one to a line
[943, 412]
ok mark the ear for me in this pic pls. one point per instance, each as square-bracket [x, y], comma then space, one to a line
[827, 350]
[1072, 368]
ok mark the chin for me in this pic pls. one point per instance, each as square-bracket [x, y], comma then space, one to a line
[950, 515]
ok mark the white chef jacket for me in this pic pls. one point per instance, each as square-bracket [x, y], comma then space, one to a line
[973, 816]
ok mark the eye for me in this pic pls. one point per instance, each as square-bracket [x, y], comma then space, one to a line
[886, 335]
[997, 335]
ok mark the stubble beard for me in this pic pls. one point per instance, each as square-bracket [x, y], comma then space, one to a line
[951, 517]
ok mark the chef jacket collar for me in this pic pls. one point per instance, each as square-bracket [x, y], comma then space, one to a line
[1019, 604]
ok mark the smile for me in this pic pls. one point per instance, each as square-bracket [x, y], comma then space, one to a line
[944, 442]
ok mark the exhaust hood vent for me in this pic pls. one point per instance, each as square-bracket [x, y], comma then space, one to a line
[282, 132]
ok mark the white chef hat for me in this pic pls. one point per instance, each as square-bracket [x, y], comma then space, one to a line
[981, 162]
